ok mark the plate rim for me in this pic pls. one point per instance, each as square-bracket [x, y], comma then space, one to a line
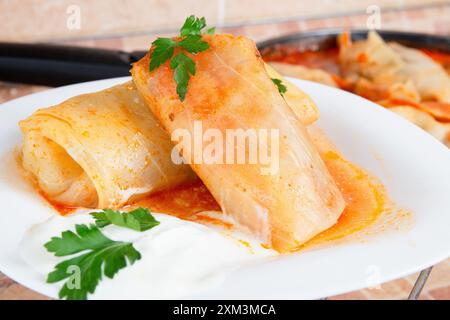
[113, 81]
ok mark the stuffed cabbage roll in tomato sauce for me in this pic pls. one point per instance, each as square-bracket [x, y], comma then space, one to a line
[99, 150]
[387, 66]
[231, 90]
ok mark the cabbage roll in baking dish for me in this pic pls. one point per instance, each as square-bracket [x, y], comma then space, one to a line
[385, 65]
[99, 150]
[232, 90]
[302, 72]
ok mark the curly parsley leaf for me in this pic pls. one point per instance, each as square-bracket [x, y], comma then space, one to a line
[211, 30]
[193, 44]
[193, 26]
[281, 87]
[84, 272]
[139, 219]
[183, 67]
[190, 41]
[163, 51]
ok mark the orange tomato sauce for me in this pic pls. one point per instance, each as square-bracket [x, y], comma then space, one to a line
[365, 201]
[61, 208]
[364, 196]
[185, 202]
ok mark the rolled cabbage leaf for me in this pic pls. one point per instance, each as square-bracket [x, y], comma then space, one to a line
[232, 90]
[100, 150]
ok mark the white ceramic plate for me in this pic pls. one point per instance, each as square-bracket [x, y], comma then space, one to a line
[413, 166]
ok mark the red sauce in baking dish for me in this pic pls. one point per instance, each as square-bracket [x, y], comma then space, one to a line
[439, 57]
[323, 59]
[327, 59]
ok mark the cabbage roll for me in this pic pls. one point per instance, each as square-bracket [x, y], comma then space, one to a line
[100, 150]
[232, 90]
[429, 77]
[385, 65]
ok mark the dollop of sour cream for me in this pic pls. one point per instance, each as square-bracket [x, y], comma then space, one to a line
[179, 258]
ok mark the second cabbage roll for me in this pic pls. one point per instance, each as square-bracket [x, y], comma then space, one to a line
[100, 150]
[232, 90]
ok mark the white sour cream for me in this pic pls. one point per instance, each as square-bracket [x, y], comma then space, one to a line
[179, 258]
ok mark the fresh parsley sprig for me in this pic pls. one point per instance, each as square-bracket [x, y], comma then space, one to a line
[139, 219]
[190, 41]
[97, 254]
[84, 271]
[281, 87]
[163, 49]
[194, 26]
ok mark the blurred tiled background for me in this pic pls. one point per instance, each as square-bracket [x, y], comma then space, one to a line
[133, 24]
[57, 20]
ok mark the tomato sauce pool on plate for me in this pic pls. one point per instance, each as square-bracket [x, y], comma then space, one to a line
[364, 196]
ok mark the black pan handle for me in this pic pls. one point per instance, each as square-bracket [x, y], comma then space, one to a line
[56, 65]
